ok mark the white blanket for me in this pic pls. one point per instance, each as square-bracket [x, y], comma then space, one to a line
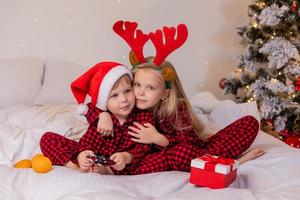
[275, 175]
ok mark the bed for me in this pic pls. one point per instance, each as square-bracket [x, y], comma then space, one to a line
[46, 105]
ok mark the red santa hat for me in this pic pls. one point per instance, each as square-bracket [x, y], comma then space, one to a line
[97, 82]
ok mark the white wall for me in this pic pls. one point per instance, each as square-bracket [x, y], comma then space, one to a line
[80, 31]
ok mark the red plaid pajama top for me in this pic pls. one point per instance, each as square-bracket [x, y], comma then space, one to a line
[185, 145]
[60, 150]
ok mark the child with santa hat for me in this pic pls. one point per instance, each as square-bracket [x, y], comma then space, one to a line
[110, 88]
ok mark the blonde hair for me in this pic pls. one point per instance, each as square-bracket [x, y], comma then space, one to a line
[126, 79]
[169, 107]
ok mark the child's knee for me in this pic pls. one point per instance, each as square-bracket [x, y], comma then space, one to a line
[45, 137]
[252, 122]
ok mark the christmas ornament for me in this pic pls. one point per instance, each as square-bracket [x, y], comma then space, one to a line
[294, 6]
[297, 84]
[293, 141]
[285, 133]
[221, 83]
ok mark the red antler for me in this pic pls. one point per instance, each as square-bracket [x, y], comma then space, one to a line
[171, 44]
[136, 43]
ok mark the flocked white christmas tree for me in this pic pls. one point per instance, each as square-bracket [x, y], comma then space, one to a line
[269, 70]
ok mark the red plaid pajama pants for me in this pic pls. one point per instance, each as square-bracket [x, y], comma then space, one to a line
[229, 142]
[57, 148]
[60, 150]
[153, 162]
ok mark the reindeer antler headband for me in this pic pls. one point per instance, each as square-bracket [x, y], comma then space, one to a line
[136, 39]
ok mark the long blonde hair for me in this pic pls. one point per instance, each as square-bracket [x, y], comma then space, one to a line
[169, 107]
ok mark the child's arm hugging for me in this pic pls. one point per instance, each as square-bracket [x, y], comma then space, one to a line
[105, 125]
[92, 113]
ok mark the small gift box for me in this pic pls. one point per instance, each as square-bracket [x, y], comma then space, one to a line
[213, 172]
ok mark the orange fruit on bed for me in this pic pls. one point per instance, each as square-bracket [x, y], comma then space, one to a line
[41, 164]
[23, 164]
[37, 155]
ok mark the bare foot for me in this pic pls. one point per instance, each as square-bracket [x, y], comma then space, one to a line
[250, 155]
[100, 169]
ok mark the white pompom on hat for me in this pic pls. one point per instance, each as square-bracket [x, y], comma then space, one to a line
[97, 82]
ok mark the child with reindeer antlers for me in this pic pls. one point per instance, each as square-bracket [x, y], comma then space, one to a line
[177, 137]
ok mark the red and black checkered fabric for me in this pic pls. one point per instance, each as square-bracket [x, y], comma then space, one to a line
[177, 135]
[153, 162]
[229, 142]
[60, 150]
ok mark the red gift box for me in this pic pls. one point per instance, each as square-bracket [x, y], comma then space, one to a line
[213, 172]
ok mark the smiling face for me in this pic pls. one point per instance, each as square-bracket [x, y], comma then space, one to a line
[148, 87]
[121, 98]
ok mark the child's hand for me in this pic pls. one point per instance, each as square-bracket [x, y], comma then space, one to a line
[100, 169]
[146, 134]
[105, 124]
[121, 159]
[83, 160]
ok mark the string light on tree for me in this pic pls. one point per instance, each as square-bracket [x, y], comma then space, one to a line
[261, 4]
[268, 71]
[254, 23]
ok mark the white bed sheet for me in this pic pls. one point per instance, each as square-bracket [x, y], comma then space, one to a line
[275, 175]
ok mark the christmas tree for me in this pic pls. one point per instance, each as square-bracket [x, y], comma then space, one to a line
[269, 70]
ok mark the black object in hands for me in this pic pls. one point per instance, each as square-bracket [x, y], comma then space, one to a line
[102, 160]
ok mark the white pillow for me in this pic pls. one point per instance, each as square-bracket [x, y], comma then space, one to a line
[204, 102]
[216, 114]
[56, 88]
[20, 80]
[227, 112]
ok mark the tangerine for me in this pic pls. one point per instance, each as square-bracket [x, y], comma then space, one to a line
[25, 163]
[41, 164]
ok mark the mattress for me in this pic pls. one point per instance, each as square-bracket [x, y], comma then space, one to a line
[275, 175]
